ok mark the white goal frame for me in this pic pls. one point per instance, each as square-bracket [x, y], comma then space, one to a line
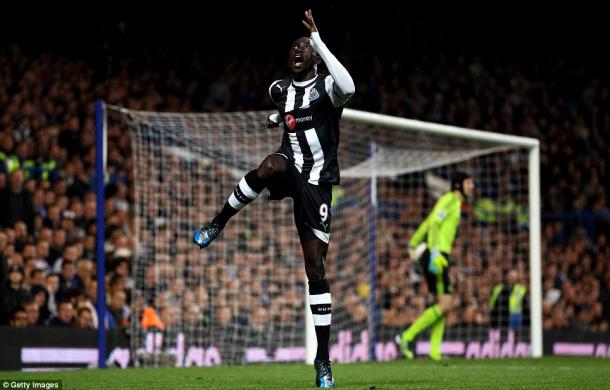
[373, 119]
[533, 147]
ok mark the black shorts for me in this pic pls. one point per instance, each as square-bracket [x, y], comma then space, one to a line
[312, 214]
[437, 284]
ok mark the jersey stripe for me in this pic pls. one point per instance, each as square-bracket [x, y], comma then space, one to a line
[318, 155]
[298, 100]
[307, 155]
[290, 99]
[306, 95]
[297, 153]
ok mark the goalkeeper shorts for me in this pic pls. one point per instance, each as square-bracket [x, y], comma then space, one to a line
[437, 284]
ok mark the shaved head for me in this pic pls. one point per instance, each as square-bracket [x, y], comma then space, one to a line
[303, 59]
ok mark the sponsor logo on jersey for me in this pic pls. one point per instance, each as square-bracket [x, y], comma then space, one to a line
[304, 118]
[290, 121]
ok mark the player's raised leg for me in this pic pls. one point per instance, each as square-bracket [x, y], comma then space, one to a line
[246, 191]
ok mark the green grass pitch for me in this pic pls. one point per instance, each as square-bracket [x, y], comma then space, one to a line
[545, 373]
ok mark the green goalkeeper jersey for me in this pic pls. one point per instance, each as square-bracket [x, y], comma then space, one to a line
[441, 224]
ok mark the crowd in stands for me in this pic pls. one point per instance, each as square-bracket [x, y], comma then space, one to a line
[48, 206]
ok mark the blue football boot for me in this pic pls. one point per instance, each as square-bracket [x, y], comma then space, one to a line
[324, 376]
[204, 236]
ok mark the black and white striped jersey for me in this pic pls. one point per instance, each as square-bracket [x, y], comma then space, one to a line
[311, 111]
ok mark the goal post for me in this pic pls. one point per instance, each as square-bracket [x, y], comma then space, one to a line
[100, 172]
[241, 299]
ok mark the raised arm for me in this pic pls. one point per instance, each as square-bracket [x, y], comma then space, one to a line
[339, 85]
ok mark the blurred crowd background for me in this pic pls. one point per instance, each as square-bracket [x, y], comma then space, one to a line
[522, 70]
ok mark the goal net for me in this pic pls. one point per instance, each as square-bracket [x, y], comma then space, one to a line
[243, 299]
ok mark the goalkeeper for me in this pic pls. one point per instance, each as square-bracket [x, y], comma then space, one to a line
[439, 229]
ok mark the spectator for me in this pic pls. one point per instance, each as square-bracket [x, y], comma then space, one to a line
[121, 268]
[14, 294]
[508, 303]
[21, 237]
[3, 267]
[84, 318]
[9, 162]
[17, 203]
[66, 277]
[65, 315]
[19, 318]
[84, 272]
[43, 235]
[33, 312]
[193, 316]
[87, 299]
[52, 286]
[118, 311]
[57, 246]
[224, 316]
[41, 296]
[170, 317]
[69, 253]
[37, 278]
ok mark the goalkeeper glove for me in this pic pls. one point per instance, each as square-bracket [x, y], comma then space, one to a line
[438, 262]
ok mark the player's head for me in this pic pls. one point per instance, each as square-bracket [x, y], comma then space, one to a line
[462, 182]
[302, 57]
[512, 277]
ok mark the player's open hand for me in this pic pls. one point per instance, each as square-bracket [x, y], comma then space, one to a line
[309, 23]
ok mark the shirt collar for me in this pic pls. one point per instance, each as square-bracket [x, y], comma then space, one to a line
[305, 82]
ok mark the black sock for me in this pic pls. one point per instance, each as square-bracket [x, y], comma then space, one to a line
[225, 214]
[246, 191]
[320, 304]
